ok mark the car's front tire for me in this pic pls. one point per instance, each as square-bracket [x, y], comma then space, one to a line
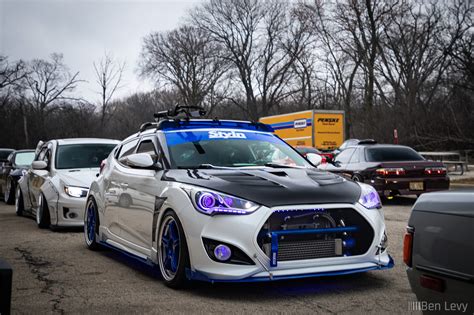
[9, 194]
[19, 205]
[91, 224]
[42, 213]
[173, 255]
[357, 178]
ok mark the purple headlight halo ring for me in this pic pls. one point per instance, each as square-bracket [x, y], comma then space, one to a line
[222, 252]
[371, 200]
[206, 201]
[228, 201]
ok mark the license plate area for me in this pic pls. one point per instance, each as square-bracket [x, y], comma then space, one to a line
[417, 186]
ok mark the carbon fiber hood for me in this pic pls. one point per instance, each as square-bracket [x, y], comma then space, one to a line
[272, 187]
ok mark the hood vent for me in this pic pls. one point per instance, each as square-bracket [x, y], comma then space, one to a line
[281, 174]
[246, 179]
[325, 178]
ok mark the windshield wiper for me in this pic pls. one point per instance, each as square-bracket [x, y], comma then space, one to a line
[204, 166]
[276, 165]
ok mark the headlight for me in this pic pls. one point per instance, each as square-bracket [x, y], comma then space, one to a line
[77, 192]
[369, 197]
[211, 203]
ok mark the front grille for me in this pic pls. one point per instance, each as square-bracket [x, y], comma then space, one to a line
[319, 232]
[298, 250]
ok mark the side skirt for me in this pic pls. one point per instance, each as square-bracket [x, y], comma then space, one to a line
[124, 252]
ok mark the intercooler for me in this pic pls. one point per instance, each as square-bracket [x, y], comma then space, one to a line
[291, 235]
[309, 249]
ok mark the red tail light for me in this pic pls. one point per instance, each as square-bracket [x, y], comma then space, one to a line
[435, 171]
[408, 246]
[102, 165]
[390, 171]
[432, 283]
[323, 159]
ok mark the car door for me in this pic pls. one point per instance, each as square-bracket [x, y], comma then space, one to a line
[5, 169]
[141, 187]
[37, 178]
[354, 165]
[114, 190]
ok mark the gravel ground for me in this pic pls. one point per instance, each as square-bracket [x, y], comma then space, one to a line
[55, 273]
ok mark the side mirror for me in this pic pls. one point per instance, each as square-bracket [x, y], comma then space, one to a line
[314, 158]
[139, 160]
[39, 165]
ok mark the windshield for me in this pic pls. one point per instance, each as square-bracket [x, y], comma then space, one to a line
[392, 154]
[24, 158]
[82, 155]
[228, 148]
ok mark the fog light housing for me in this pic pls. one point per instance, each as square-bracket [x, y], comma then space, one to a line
[225, 253]
[222, 252]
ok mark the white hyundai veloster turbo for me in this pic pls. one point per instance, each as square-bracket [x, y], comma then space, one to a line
[205, 200]
[54, 189]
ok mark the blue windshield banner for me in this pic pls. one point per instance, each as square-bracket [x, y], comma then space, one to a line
[175, 138]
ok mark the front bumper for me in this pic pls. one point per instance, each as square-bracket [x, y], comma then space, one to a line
[68, 211]
[241, 231]
[196, 275]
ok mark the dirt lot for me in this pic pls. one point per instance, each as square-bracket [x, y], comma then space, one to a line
[55, 273]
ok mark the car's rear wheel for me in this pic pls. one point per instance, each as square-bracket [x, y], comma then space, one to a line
[9, 194]
[42, 213]
[19, 205]
[173, 255]
[91, 224]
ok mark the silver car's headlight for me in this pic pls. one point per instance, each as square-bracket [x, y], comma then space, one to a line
[75, 191]
[369, 197]
[212, 202]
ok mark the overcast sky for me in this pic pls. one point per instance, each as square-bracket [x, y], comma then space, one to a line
[83, 30]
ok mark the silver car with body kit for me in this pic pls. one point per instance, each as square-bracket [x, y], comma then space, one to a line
[205, 201]
[54, 189]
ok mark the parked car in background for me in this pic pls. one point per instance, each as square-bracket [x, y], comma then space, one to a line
[438, 247]
[11, 171]
[218, 200]
[304, 150]
[4, 153]
[54, 189]
[346, 144]
[391, 169]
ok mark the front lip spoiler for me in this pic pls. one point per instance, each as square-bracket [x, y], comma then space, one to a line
[198, 276]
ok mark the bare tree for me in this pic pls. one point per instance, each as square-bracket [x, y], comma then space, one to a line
[108, 76]
[188, 60]
[10, 74]
[49, 82]
[260, 44]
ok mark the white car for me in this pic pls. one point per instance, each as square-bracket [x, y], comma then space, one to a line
[207, 202]
[54, 189]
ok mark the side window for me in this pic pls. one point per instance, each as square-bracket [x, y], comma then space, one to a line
[41, 154]
[344, 156]
[147, 146]
[128, 148]
[47, 156]
[355, 157]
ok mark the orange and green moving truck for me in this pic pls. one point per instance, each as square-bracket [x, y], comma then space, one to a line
[322, 129]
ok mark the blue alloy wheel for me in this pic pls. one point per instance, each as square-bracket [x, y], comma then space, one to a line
[90, 224]
[173, 255]
[170, 248]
